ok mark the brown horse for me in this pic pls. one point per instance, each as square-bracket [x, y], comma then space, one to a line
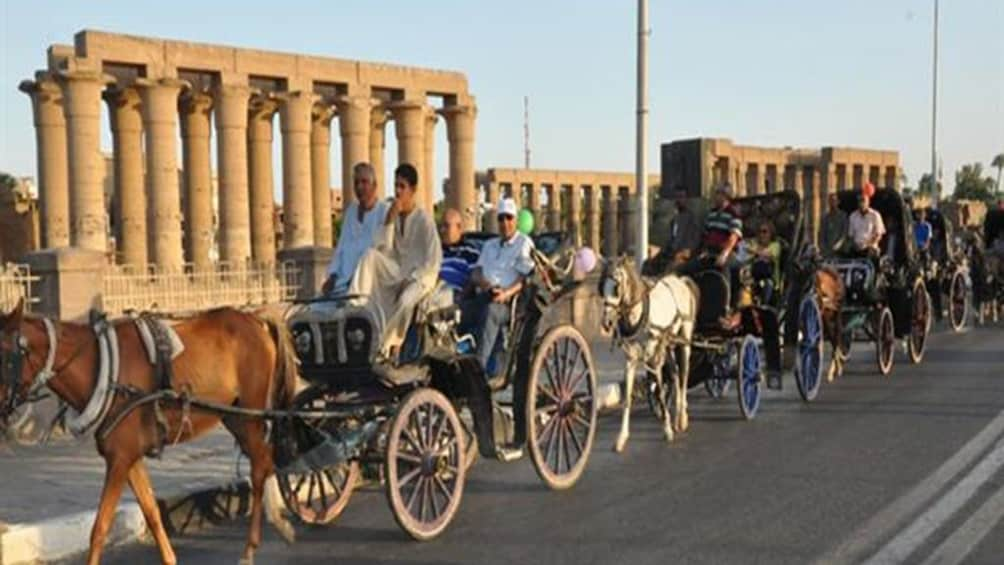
[230, 357]
[830, 292]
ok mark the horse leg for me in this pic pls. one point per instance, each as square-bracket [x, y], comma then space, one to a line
[667, 417]
[139, 482]
[116, 469]
[629, 370]
[682, 384]
[250, 433]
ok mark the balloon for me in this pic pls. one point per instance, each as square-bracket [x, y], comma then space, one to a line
[585, 260]
[524, 221]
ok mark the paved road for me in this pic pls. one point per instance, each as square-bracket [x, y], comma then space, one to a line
[901, 469]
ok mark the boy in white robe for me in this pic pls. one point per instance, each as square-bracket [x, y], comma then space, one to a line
[403, 265]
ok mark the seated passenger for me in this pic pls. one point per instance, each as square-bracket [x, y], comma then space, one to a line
[723, 230]
[865, 229]
[402, 266]
[498, 276]
[766, 251]
[360, 223]
[831, 237]
[459, 256]
[922, 231]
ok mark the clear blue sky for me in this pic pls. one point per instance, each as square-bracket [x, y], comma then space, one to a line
[767, 72]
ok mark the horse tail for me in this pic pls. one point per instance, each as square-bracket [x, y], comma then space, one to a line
[286, 373]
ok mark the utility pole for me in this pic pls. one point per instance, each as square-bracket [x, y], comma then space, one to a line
[526, 132]
[935, 186]
[641, 174]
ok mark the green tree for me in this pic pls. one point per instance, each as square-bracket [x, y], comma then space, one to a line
[925, 186]
[971, 184]
[998, 163]
[7, 182]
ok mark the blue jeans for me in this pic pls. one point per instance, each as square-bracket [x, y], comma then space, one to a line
[485, 320]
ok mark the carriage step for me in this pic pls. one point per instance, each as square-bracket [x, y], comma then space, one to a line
[332, 451]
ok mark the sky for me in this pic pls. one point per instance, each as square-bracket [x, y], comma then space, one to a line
[803, 73]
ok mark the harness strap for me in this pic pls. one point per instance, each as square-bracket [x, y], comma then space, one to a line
[46, 374]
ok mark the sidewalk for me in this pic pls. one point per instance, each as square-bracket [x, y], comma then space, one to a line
[49, 494]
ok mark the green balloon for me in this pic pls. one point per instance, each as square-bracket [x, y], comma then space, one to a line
[524, 222]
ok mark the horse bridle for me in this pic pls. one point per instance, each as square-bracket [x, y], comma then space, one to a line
[12, 365]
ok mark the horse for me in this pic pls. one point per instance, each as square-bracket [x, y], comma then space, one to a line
[828, 288]
[232, 358]
[649, 320]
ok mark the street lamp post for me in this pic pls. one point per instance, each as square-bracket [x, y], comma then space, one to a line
[935, 186]
[641, 180]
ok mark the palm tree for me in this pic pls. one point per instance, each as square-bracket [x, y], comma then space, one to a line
[998, 163]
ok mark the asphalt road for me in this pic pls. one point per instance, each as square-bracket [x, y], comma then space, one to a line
[898, 469]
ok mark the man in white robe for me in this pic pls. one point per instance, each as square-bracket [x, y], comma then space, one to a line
[361, 222]
[403, 265]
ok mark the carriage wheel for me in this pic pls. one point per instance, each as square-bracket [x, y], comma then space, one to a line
[425, 465]
[748, 377]
[561, 407]
[958, 301]
[809, 359]
[317, 497]
[920, 324]
[885, 340]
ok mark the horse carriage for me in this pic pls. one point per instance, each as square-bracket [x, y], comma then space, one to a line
[885, 297]
[988, 267]
[417, 425]
[946, 270]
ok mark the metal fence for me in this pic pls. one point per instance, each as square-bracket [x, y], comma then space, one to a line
[156, 290]
[16, 283]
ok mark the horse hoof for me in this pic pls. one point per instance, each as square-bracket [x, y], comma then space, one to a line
[620, 444]
[246, 561]
[668, 430]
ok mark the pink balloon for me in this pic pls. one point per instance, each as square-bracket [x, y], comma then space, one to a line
[585, 260]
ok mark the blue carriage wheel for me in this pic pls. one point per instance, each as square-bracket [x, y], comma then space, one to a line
[809, 359]
[748, 379]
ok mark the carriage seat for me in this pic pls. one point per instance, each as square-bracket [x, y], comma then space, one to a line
[716, 300]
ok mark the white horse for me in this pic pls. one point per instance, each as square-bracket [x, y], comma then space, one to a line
[649, 319]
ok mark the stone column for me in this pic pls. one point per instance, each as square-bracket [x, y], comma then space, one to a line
[573, 225]
[82, 108]
[778, 180]
[160, 124]
[516, 193]
[554, 207]
[628, 217]
[409, 123]
[797, 176]
[489, 222]
[428, 163]
[533, 203]
[262, 109]
[298, 216]
[592, 197]
[53, 170]
[460, 131]
[320, 171]
[129, 202]
[232, 172]
[378, 128]
[196, 108]
[355, 124]
[611, 245]
[827, 181]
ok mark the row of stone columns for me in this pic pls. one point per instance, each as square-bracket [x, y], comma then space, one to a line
[602, 217]
[145, 121]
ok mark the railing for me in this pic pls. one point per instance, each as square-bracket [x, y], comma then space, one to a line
[156, 290]
[16, 283]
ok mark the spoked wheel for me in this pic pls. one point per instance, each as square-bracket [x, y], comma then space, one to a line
[748, 377]
[920, 323]
[809, 357]
[885, 340]
[316, 497]
[425, 466]
[958, 301]
[561, 407]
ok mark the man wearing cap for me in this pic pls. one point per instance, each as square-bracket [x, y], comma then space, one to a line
[865, 228]
[497, 278]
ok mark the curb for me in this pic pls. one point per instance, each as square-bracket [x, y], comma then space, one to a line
[68, 536]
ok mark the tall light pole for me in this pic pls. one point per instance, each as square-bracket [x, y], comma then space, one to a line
[935, 186]
[641, 175]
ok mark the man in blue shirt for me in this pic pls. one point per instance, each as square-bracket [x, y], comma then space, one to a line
[459, 256]
[922, 231]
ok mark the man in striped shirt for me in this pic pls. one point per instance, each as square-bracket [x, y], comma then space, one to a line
[723, 230]
[459, 257]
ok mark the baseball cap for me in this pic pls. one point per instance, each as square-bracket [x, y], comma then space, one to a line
[507, 207]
